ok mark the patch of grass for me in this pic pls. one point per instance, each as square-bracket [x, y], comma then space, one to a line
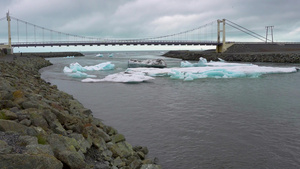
[3, 116]
[41, 139]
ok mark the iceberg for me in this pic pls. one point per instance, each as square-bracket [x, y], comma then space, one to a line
[157, 63]
[191, 73]
[76, 70]
[122, 77]
[111, 55]
[99, 55]
[74, 67]
[203, 62]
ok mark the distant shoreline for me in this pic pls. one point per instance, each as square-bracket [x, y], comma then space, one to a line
[245, 53]
[49, 54]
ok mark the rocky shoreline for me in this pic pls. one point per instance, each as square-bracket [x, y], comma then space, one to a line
[42, 127]
[275, 57]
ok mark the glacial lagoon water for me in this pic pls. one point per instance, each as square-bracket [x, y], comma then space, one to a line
[204, 123]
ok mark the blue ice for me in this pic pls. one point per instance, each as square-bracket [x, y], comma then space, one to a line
[78, 74]
[215, 73]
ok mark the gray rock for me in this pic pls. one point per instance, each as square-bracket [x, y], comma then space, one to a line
[37, 119]
[6, 104]
[83, 143]
[122, 149]
[125, 148]
[25, 122]
[111, 131]
[8, 125]
[118, 138]
[61, 143]
[14, 109]
[118, 162]
[85, 111]
[75, 106]
[29, 104]
[39, 149]
[54, 123]
[28, 140]
[135, 163]
[5, 148]
[96, 136]
[26, 161]
[9, 115]
[72, 159]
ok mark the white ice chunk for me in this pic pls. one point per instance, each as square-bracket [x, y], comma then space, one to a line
[203, 62]
[221, 60]
[67, 70]
[190, 73]
[101, 66]
[122, 77]
[111, 55]
[69, 57]
[99, 55]
[77, 67]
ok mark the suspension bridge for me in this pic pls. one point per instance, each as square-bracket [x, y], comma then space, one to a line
[25, 34]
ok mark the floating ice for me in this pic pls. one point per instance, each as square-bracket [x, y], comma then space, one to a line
[158, 63]
[69, 57]
[191, 73]
[80, 75]
[122, 77]
[99, 55]
[111, 55]
[67, 69]
[203, 62]
[101, 66]
[74, 67]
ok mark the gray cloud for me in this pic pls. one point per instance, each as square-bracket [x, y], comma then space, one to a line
[144, 18]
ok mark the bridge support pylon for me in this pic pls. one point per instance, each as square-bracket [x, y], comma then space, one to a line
[8, 48]
[223, 46]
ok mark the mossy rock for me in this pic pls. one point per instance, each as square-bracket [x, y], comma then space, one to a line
[18, 94]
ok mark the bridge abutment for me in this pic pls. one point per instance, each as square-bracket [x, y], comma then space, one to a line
[223, 47]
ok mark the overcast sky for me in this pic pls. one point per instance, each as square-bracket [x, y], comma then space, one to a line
[144, 18]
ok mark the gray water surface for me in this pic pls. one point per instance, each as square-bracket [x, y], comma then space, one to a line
[205, 123]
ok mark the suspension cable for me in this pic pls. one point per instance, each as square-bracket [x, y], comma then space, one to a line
[109, 39]
[245, 32]
[258, 36]
[40, 27]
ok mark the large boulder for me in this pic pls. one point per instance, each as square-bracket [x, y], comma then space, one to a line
[4, 147]
[62, 143]
[72, 159]
[8, 115]
[26, 161]
[96, 136]
[35, 149]
[8, 125]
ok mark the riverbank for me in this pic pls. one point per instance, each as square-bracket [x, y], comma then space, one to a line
[42, 127]
[50, 54]
[245, 53]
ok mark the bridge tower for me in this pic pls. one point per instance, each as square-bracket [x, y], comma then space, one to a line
[223, 46]
[7, 49]
[9, 33]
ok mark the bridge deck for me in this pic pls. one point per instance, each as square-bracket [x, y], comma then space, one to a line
[113, 43]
